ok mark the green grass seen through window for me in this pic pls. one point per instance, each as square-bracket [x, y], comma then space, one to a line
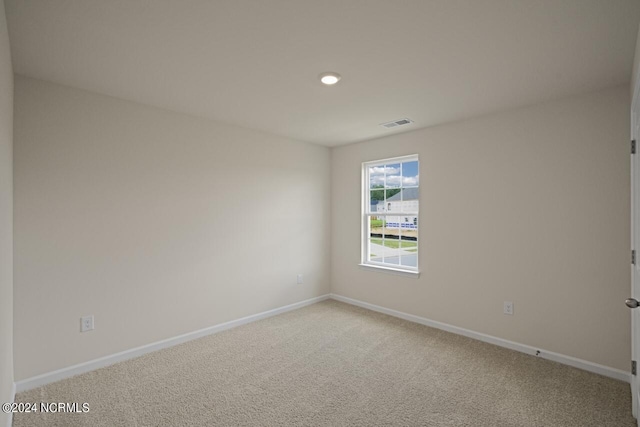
[377, 223]
[395, 244]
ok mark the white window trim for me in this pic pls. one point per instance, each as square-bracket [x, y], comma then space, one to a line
[390, 270]
[364, 224]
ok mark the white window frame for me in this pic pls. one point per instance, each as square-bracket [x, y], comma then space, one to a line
[366, 215]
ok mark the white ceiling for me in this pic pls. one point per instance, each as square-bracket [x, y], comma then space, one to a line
[255, 63]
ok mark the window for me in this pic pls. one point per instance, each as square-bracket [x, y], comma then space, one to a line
[390, 213]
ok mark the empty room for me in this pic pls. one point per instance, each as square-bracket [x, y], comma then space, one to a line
[319, 213]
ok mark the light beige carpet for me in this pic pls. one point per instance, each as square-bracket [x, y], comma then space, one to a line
[331, 364]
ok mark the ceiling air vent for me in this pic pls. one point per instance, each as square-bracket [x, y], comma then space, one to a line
[397, 123]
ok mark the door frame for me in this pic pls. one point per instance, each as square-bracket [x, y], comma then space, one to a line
[635, 242]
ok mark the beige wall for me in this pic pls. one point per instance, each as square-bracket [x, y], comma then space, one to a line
[155, 222]
[530, 206]
[6, 217]
[636, 65]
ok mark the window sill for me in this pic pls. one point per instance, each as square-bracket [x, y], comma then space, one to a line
[390, 270]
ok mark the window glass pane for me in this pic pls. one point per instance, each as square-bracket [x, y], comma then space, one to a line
[376, 176]
[409, 244]
[409, 200]
[393, 200]
[375, 238]
[376, 250]
[393, 179]
[376, 199]
[391, 249]
[410, 177]
[376, 225]
[409, 257]
[393, 225]
[391, 243]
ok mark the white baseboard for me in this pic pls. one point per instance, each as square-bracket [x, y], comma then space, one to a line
[101, 362]
[523, 348]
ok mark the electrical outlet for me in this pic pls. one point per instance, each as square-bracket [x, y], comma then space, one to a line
[300, 279]
[86, 323]
[508, 308]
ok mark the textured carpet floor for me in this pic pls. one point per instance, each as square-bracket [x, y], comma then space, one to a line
[331, 364]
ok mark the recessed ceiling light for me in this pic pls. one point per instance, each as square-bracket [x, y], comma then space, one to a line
[329, 78]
